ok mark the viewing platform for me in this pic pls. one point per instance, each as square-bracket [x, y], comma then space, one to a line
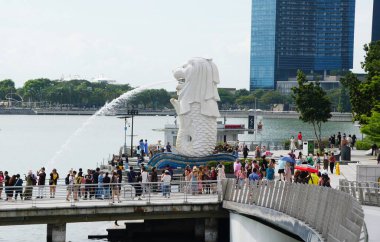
[310, 213]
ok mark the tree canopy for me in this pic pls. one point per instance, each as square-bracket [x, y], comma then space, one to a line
[312, 103]
[372, 129]
[365, 96]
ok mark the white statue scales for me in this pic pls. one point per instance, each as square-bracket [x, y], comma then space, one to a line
[197, 107]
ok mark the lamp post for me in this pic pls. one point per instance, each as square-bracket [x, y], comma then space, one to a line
[131, 113]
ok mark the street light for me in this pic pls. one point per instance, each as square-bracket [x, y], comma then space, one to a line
[131, 113]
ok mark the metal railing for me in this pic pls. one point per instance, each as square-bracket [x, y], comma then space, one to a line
[336, 216]
[113, 194]
[367, 193]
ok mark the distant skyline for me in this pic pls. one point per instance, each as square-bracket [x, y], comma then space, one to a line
[136, 42]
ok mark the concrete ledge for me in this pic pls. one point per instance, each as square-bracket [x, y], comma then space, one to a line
[109, 213]
[281, 220]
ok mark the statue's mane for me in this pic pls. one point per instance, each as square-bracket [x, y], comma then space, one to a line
[201, 79]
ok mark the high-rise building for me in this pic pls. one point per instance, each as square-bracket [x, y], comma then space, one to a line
[376, 21]
[315, 36]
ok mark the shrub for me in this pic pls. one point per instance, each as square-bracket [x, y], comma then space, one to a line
[363, 145]
[286, 144]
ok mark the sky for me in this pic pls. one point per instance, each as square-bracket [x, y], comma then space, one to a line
[136, 42]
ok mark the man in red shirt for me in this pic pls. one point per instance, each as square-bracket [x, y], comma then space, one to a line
[299, 137]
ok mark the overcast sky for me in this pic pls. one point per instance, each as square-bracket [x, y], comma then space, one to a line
[134, 41]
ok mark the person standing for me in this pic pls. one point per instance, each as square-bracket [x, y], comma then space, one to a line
[168, 148]
[253, 176]
[106, 183]
[146, 147]
[318, 162]
[7, 189]
[100, 191]
[257, 152]
[1, 183]
[270, 171]
[54, 176]
[374, 149]
[349, 141]
[166, 178]
[299, 138]
[41, 182]
[325, 161]
[28, 190]
[245, 151]
[339, 139]
[292, 144]
[353, 141]
[115, 188]
[332, 162]
[70, 185]
[142, 149]
[237, 167]
[154, 179]
[288, 172]
[144, 181]
[281, 169]
[242, 175]
[18, 186]
[332, 141]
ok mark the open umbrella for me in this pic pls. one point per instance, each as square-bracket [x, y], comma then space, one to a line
[306, 168]
[287, 159]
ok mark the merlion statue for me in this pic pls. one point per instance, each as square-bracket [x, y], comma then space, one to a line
[197, 107]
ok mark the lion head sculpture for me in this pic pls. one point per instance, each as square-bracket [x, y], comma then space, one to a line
[198, 80]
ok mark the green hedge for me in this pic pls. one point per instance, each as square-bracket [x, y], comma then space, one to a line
[363, 145]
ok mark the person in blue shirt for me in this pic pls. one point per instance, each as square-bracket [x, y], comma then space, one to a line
[270, 171]
[253, 176]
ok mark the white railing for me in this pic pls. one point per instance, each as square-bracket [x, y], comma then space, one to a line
[367, 193]
[336, 216]
[113, 194]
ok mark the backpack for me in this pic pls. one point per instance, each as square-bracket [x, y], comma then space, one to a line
[67, 180]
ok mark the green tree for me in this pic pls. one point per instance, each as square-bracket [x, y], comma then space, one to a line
[312, 103]
[365, 96]
[271, 97]
[241, 92]
[226, 98]
[372, 129]
[7, 86]
[247, 101]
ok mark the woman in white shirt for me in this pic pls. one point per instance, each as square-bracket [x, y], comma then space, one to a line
[144, 181]
[166, 178]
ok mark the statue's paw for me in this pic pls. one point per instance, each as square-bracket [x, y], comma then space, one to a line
[173, 100]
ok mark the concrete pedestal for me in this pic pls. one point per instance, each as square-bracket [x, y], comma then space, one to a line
[211, 230]
[199, 229]
[56, 233]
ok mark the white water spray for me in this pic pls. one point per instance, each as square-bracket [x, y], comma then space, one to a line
[108, 108]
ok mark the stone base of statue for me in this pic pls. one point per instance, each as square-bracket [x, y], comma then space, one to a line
[161, 160]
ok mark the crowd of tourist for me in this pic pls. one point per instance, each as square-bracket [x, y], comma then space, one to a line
[264, 169]
[339, 140]
[94, 184]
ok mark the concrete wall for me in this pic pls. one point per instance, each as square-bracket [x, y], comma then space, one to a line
[246, 229]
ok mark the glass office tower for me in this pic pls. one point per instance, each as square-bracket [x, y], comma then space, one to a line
[376, 21]
[315, 36]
